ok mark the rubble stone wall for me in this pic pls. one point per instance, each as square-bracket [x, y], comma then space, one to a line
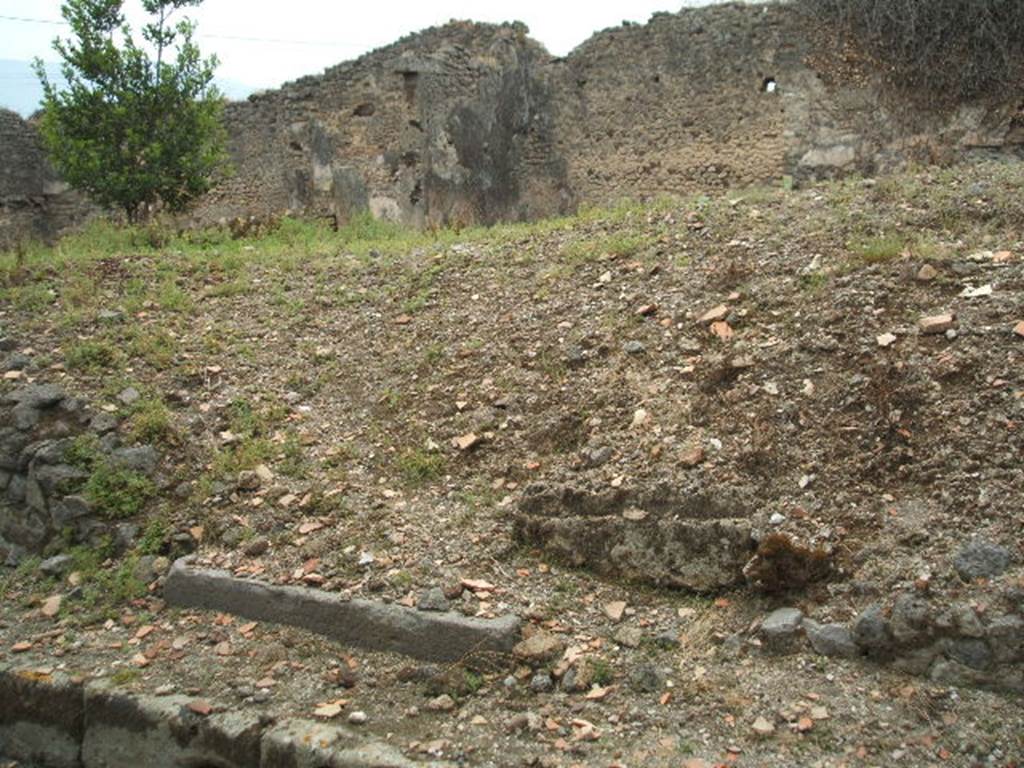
[42, 496]
[450, 126]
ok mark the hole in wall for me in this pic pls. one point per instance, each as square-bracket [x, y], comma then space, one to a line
[410, 80]
[768, 85]
[415, 124]
[417, 193]
[656, 78]
[295, 146]
[366, 109]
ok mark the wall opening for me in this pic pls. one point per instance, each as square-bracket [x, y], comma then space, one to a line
[410, 81]
[366, 109]
[417, 193]
[768, 85]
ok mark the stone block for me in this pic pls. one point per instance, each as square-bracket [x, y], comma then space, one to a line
[873, 633]
[307, 744]
[780, 629]
[424, 635]
[665, 537]
[830, 639]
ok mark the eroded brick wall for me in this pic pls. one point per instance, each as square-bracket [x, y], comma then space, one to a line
[451, 125]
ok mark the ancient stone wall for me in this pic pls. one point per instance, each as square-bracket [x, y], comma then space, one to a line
[34, 202]
[44, 434]
[474, 123]
[448, 126]
[737, 95]
[678, 105]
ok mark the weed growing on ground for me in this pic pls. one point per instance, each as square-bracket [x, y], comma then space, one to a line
[878, 250]
[116, 492]
[149, 421]
[417, 466]
[91, 356]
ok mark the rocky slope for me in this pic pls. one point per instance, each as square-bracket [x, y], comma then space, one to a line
[748, 466]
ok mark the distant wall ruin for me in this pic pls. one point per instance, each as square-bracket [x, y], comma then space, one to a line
[473, 123]
[450, 125]
[34, 202]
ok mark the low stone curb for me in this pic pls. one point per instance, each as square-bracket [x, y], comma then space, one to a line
[441, 637]
[42, 718]
[681, 538]
[53, 721]
[951, 646]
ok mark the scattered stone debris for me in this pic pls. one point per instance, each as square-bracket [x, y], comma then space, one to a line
[780, 460]
[936, 324]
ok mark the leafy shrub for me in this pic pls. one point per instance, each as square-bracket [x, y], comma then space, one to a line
[937, 49]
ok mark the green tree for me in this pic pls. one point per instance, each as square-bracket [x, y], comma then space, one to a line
[129, 129]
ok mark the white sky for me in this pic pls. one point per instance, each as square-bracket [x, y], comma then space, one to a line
[316, 34]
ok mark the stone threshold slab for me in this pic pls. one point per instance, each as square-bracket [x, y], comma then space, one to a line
[430, 636]
[54, 721]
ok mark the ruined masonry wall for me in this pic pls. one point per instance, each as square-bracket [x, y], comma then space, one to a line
[475, 123]
[446, 126]
[34, 202]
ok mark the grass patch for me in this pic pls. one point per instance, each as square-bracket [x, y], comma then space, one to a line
[83, 452]
[246, 454]
[149, 421]
[881, 249]
[417, 466]
[91, 356]
[253, 427]
[620, 245]
[293, 458]
[116, 492]
[106, 586]
[172, 298]
[33, 297]
[603, 673]
[155, 536]
[246, 420]
[125, 676]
